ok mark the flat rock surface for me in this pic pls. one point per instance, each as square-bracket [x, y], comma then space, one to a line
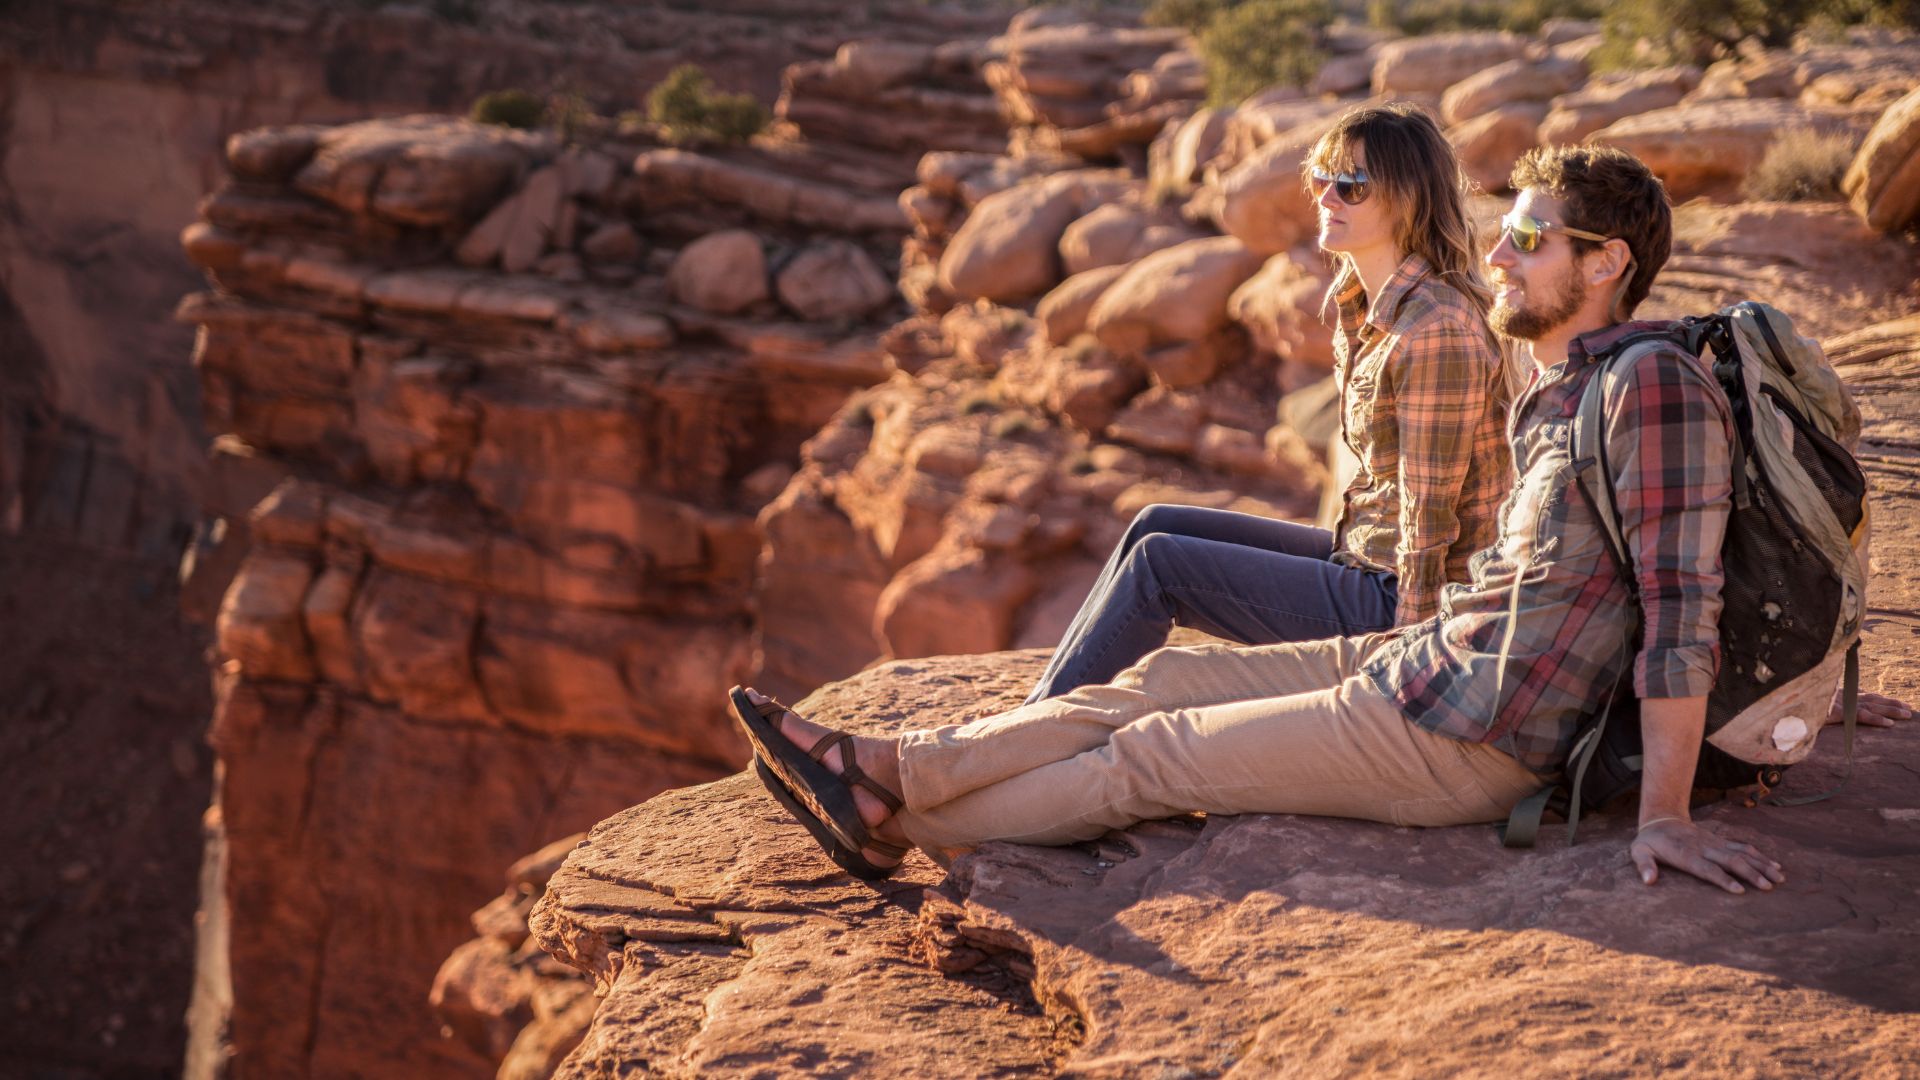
[1265, 945]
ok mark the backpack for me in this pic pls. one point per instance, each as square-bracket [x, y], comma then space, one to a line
[1795, 585]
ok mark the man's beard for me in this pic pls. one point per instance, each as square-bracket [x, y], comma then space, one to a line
[1531, 322]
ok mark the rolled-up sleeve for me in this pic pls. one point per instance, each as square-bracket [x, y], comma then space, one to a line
[1669, 444]
[1442, 376]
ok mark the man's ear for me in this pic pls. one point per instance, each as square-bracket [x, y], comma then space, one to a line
[1615, 257]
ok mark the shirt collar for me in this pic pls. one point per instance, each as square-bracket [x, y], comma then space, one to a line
[1596, 342]
[1354, 306]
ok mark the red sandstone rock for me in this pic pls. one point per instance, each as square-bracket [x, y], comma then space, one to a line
[1280, 309]
[421, 170]
[1063, 312]
[1007, 248]
[722, 272]
[1490, 143]
[1182, 150]
[1263, 201]
[1884, 180]
[1215, 903]
[1517, 80]
[1709, 147]
[1175, 296]
[1614, 96]
[1431, 64]
[260, 624]
[834, 279]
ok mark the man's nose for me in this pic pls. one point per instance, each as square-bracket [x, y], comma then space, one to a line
[1502, 254]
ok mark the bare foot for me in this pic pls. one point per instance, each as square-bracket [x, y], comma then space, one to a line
[878, 758]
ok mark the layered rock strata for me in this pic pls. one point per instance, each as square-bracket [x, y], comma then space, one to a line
[527, 430]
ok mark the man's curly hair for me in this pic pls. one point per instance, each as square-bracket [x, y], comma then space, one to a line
[1607, 191]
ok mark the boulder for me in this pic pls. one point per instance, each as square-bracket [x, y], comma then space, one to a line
[1431, 63]
[518, 230]
[1008, 250]
[1520, 79]
[1063, 312]
[1490, 143]
[1104, 237]
[723, 273]
[1280, 309]
[1341, 75]
[952, 600]
[1709, 147]
[1263, 202]
[426, 171]
[272, 155]
[1764, 74]
[832, 279]
[874, 65]
[1177, 296]
[1883, 182]
[614, 242]
[1607, 98]
[1182, 150]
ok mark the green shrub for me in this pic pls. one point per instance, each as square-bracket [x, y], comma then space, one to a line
[1648, 33]
[1263, 43]
[1801, 165]
[1415, 17]
[508, 108]
[1191, 15]
[688, 109]
[1013, 426]
[976, 402]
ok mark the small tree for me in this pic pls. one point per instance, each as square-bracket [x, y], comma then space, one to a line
[687, 108]
[1261, 43]
[508, 108]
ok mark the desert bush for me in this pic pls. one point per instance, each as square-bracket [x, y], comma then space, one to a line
[1262, 43]
[1801, 165]
[1013, 426]
[508, 108]
[1649, 33]
[1190, 15]
[1415, 17]
[975, 402]
[688, 109]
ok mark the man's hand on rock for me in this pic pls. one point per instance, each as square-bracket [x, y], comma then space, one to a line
[1685, 846]
[1876, 710]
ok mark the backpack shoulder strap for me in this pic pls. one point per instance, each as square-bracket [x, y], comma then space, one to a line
[1592, 472]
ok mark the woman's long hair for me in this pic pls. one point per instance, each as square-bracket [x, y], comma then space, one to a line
[1413, 167]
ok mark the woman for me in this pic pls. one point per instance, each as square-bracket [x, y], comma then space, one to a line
[1424, 389]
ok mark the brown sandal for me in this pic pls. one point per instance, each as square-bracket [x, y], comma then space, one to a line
[821, 799]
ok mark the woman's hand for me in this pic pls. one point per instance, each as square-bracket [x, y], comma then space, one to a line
[1681, 844]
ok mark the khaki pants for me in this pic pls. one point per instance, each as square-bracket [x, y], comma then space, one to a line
[1221, 729]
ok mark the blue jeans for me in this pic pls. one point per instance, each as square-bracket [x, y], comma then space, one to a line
[1242, 577]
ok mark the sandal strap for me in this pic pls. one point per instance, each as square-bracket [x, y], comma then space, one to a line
[891, 851]
[851, 772]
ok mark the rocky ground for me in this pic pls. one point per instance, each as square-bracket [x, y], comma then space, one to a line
[723, 943]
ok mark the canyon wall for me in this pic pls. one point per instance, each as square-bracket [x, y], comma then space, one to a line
[113, 120]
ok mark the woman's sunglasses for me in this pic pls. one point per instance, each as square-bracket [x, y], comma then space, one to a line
[1526, 232]
[1353, 188]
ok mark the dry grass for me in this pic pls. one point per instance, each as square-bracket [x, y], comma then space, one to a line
[1801, 165]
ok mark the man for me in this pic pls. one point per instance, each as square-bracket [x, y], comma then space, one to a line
[1445, 722]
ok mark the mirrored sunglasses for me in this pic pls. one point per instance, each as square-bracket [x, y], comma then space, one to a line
[1353, 188]
[1525, 232]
